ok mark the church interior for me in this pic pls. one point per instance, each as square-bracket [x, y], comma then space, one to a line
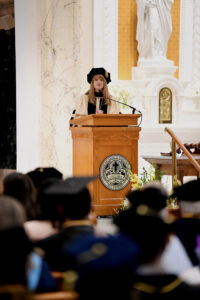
[151, 50]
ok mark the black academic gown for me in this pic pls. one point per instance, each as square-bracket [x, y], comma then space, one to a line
[102, 105]
[53, 245]
[187, 230]
[163, 287]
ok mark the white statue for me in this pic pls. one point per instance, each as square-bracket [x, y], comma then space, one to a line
[154, 28]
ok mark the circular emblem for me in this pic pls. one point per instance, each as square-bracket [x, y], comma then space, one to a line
[114, 172]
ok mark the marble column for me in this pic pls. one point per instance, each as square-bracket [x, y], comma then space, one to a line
[51, 81]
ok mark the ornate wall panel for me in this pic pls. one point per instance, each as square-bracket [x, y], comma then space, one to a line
[196, 42]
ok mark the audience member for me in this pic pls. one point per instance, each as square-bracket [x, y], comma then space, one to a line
[21, 187]
[174, 258]
[103, 267]
[188, 226]
[48, 220]
[17, 257]
[74, 202]
[45, 223]
[152, 231]
[40, 174]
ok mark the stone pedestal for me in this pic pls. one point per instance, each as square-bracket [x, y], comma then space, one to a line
[148, 78]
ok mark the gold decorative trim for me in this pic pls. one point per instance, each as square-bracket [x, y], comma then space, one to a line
[77, 223]
[165, 106]
[144, 287]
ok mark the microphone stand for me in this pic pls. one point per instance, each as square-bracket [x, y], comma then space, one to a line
[133, 108]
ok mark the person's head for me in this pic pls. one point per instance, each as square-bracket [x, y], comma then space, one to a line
[78, 206]
[99, 79]
[15, 245]
[152, 194]
[144, 220]
[48, 208]
[71, 196]
[14, 251]
[20, 186]
[147, 228]
[41, 174]
[12, 213]
[188, 196]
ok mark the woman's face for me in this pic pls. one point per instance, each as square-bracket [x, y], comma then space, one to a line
[98, 83]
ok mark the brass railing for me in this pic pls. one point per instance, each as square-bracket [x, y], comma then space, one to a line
[193, 161]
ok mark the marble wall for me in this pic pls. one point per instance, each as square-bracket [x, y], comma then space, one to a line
[57, 42]
[59, 59]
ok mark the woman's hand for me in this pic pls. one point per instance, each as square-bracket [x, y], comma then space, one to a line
[99, 111]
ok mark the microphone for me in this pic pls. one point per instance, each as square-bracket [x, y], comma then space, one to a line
[133, 108]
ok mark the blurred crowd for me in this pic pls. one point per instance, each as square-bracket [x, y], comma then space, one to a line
[51, 240]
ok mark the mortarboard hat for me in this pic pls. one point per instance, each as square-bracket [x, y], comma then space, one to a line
[39, 175]
[188, 196]
[189, 191]
[153, 195]
[72, 194]
[69, 186]
[98, 71]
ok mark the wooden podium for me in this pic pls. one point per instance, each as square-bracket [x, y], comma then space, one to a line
[103, 145]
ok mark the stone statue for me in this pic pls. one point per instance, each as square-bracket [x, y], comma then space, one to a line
[154, 27]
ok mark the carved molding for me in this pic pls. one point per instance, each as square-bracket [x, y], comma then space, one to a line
[196, 42]
[106, 35]
[185, 46]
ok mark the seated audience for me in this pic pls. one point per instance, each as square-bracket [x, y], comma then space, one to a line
[22, 188]
[152, 231]
[188, 226]
[174, 258]
[20, 264]
[102, 267]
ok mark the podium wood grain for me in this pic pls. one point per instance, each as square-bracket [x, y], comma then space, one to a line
[100, 137]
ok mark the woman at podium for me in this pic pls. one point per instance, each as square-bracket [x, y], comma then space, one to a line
[97, 100]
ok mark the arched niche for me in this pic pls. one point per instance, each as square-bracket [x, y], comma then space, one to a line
[165, 106]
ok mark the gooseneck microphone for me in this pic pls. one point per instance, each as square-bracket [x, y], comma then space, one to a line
[133, 108]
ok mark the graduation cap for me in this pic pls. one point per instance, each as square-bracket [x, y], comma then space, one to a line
[39, 175]
[152, 195]
[98, 71]
[188, 196]
[189, 191]
[70, 186]
[72, 194]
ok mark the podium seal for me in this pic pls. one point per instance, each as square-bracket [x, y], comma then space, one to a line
[114, 172]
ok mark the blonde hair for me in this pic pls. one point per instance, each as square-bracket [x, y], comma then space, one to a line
[105, 91]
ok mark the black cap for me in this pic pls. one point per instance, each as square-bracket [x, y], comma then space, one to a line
[39, 175]
[154, 195]
[69, 186]
[72, 194]
[189, 191]
[98, 71]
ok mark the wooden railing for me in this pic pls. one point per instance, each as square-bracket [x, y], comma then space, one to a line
[175, 140]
